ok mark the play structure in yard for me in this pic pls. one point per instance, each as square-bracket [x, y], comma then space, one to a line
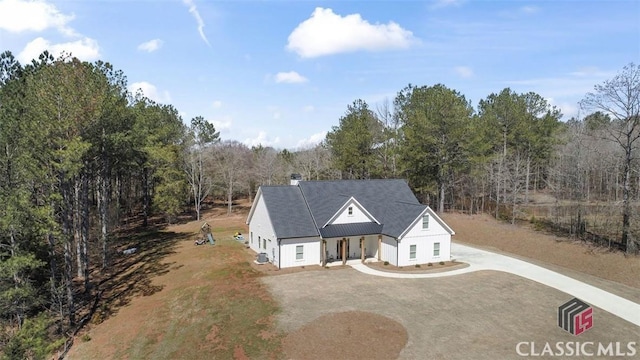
[205, 235]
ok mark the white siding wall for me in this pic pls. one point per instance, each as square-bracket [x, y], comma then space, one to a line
[434, 229]
[332, 249]
[358, 215]
[445, 248]
[371, 245]
[311, 252]
[389, 250]
[424, 239]
[354, 248]
[260, 228]
[424, 249]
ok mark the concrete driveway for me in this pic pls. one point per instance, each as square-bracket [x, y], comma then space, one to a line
[486, 260]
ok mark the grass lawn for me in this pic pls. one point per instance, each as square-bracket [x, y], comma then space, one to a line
[208, 301]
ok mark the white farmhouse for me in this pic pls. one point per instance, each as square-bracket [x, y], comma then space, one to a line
[315, 222]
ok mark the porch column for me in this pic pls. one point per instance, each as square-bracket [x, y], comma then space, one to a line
[323, 256]
[344, 251]
[379, 247]
[362, 253]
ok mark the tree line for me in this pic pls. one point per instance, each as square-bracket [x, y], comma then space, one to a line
[81, 155]
[512, 146]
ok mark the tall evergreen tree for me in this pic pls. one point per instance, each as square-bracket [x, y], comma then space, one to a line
[354, 141]
[435, 126]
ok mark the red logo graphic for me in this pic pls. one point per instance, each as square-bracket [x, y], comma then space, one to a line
[575, 316]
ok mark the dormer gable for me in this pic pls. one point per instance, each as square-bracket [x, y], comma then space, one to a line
[351, 212]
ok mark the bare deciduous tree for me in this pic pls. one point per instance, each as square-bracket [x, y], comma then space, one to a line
[231, 167]
[619, 97]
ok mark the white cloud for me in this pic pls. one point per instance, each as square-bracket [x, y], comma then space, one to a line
[217, 104]
[290, 77]
[312, 140]
[463, 71]
[85, 49]
[326, 33]
[261, 139]
[222, 123]
[149, 90]
[568, 109]
[151, 45]
[308, 108]
[196, 14]
[18, 16]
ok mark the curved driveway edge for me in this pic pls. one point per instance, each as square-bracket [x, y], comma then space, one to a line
[486, 260]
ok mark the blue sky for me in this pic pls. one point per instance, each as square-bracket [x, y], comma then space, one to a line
[281, 73]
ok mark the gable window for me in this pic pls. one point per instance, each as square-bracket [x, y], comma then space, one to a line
[436, 249]
[350, 211]
[412, 252]
[299, 252]
[425, 221]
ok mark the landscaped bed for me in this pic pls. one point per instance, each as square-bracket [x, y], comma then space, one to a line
[419, 268]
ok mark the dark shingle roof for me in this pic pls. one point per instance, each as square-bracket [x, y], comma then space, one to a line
[288, 212]
[344, 230]
[302, 211]
[391, 202]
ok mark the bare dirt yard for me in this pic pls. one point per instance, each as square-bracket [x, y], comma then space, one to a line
[480, 315]
[175, 300]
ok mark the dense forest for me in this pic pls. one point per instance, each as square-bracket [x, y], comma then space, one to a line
[80, 156]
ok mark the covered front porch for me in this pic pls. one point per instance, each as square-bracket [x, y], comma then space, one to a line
[338, 251]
